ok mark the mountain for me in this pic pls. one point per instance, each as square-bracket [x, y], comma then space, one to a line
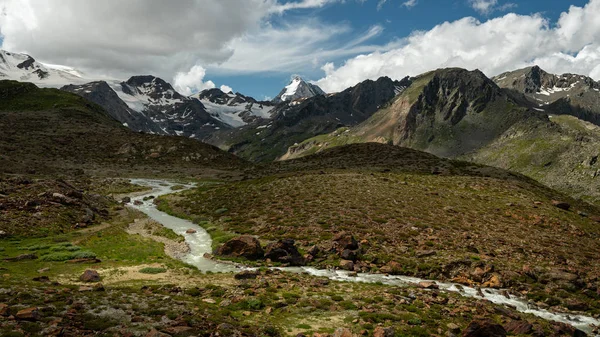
[50, 131]
[102, 94]
[462, 114]
[448, 112]
[150, 104]
[24, 68]
[298, 89]
[296, 121]
[232, 109]
[566, 94]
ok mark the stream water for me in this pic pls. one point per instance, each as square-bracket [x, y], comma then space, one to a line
[201, 243]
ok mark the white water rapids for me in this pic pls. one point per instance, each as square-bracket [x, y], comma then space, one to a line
[201, 243]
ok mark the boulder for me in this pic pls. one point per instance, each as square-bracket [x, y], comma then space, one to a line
[90, 276]
[314, 251]
[493, 282]
[342, 332]
[384, 332]
[484, 328]
[29, 314]
[126, 200]
[156, 333]
[4, 309]
[519, 327]
[22, 257]
[245, 246]
[347, 265]
[348, 254]
[344, 241]
[191, 231]
[138, 203]
[561, 204]
[428, 285]
[391, 267]
[246, 275]
[284, 251]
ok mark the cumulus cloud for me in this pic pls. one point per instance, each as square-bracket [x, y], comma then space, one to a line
[226, 89]
[494, 46]
[191, 82]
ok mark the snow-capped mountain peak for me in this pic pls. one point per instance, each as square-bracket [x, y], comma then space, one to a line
[297, 89]
[24, 68]
[236, 109]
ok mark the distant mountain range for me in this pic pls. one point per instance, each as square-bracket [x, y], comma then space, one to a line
[530, 121]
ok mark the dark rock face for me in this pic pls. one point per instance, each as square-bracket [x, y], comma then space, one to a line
[294, 123]
[484, 328]
[26, 64]
[90, 276]
[102, 94]
[160, 109]
[245, 246]
[566, 94]
[345, 241]
[284, 251]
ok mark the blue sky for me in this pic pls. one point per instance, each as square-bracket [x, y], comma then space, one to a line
[398, 22]
[255, 46]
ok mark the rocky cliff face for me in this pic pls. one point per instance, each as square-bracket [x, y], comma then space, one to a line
[236, 109]
[102, 94]
[149, 104]
[566, 94]
[296, 121]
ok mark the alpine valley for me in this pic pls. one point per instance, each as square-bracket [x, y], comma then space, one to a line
[444, 204]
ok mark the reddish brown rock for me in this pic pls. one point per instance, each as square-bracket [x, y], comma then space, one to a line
[156, 333]
[342, 332]
[384, 332]
[344, 241]
[484, 328]
[519, 327]
[347, 265]
[90, 276]
[4, 309]
[428, 285]
[191, 231]
[392, 267]
[29, 314]
[242, 246]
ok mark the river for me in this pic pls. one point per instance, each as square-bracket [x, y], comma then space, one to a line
[201, 243]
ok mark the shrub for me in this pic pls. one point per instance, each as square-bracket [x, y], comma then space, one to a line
[65, 256]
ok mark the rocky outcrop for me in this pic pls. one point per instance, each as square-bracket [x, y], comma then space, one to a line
[484, 328]
[284, 251]
[90, 276]
[245, 246]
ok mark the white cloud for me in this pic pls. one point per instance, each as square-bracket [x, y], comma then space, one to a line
[483, 6]
[302, 4]
[226, 89]
[410, 3]
[380, 4]
[497, 45]
[486, 7]
[191, 82]
[293, 47]
[115, 38]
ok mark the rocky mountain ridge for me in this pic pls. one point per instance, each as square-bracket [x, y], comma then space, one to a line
[566, 94]
[298, 89]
